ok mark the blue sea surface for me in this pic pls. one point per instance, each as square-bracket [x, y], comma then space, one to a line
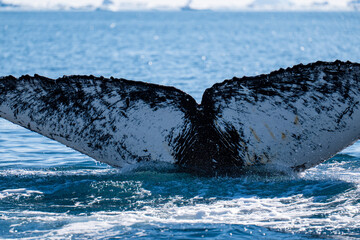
[49, 191]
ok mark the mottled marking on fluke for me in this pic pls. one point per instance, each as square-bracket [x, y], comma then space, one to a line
[312, 110]
[296, 120]
[270, 132]
[255, 135]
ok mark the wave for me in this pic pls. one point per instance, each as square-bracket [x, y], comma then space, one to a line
[128, 206]
[233, 5]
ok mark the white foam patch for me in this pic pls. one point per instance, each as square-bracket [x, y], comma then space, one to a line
[48, 172]
[295, 213]
[289, 214]
[246, 5]
[20, 192]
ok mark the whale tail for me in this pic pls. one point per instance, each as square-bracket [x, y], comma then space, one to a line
[288, 120]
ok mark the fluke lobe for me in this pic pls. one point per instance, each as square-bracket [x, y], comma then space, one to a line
[288, 120]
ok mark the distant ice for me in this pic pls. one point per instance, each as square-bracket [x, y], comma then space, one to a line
[232, 5]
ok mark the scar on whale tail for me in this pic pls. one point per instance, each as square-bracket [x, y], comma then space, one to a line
[288, 120]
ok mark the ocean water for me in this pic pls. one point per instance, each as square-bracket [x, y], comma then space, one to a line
[48, 191]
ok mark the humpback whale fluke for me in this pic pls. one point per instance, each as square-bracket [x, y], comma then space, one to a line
[288, 120]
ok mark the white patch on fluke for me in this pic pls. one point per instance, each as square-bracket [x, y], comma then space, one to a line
[301, 133]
